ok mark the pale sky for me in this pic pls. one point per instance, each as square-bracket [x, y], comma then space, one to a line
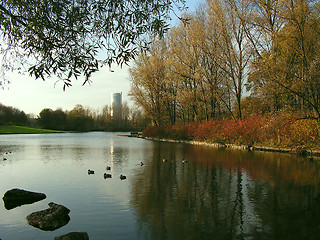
[31, 96]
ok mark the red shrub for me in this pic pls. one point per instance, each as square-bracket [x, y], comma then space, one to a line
[282, 129]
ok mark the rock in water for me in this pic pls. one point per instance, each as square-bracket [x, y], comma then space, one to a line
[51, 218]
[17, 197]
[73, 236]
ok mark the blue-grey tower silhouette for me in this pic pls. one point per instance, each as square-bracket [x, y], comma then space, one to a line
[116, 105]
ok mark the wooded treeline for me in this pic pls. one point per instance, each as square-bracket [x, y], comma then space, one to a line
[12, 116]
[86, 119]
[80, 119]
[234, 59]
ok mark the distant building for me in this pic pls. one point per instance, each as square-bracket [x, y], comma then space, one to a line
[116, 105]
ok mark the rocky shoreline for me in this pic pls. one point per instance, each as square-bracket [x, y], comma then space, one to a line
[297, 150]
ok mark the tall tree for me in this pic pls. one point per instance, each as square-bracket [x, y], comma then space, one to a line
[151, 88]
[236, 55]
[262, 23]
[184, 54]
[291, 67]
[214, 93]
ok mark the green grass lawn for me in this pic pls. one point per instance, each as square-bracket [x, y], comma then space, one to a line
[21, 130]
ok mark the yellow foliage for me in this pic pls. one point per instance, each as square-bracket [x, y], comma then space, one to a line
[305, 131]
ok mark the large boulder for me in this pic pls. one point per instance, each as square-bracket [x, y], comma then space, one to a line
[51, 218]
[73, 236]
[17, 197]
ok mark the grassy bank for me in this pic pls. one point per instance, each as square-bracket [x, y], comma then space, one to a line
[24, 130]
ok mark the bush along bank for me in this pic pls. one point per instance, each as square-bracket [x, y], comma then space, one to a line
[282, 132]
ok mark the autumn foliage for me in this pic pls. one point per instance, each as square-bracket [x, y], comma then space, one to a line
[233, 76]
[279, 130]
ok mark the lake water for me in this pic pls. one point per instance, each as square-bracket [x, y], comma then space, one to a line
[217, 194]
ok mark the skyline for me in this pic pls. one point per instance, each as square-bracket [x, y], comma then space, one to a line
[31, 96]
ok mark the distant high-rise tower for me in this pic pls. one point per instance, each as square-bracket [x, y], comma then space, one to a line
[116, 104]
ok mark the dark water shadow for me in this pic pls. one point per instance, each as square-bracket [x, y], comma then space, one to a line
[225, 194]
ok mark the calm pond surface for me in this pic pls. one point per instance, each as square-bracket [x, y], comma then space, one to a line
[217, 194]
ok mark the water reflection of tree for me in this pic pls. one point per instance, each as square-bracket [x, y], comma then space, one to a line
[226, 195]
